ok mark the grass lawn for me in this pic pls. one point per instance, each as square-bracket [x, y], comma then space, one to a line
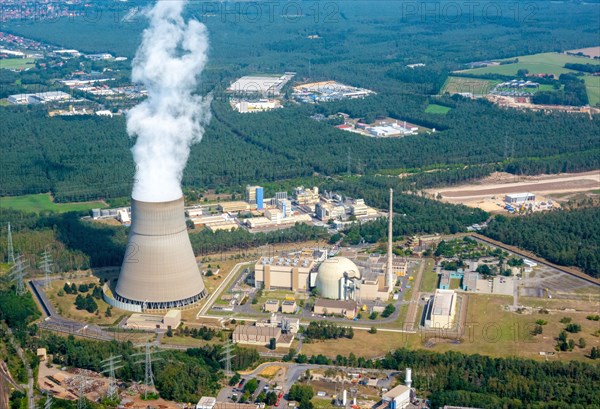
[16, 63]
[592, 86]
[545, 63]
[476, 86]
[429, 279]
[437, 109]
[43, 202]
[490, 330]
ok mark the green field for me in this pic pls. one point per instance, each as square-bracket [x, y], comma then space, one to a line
[43, 202]
[437, 109]
[592, 85]
[546, 63]
[476, 86]
[16, 63]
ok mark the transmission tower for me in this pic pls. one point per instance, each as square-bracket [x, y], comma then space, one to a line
[11, 250]
[46, 265]
[17, 272]
[147, 361]
[227, 357]
[109, 366]
[81, 403]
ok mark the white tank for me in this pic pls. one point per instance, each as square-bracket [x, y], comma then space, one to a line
[159, 270]
[408, 379]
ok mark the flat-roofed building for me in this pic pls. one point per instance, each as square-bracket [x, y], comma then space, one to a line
[398, 397]
[206, 402]
[271, 306]
[442, 309]
[233, 207]
[345, 308]
[150, 322]
[289, 307]
[283, 273]
[306, 197]
[326, 211]
[255, 335]
[518, 198]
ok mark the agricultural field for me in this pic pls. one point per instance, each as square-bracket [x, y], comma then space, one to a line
[437, 109]
[16, 63]
[43, 202]
[475, 86]
[545, 63]
[592, 85]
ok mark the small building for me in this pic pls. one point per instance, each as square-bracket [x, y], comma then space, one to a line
[289, 307]
[345, 308]
[398, 397]
[42, 354]
[271, 306]
[206, 402]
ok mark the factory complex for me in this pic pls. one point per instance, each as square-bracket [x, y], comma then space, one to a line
[254, 93]
[326, 91]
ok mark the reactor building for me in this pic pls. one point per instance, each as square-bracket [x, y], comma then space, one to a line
[159, 270]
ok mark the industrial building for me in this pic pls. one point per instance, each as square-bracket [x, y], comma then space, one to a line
[255, 196]
[262, 85]
[307, 197]
[441, 309]
[159, 270]
[147, 322]
[255, 335]
[344, 308]
[233, 207]
[283, 273]
[215, 222]
[39, 98]
[289, 307]
[271, 306]
[359, 209]
[326, 211]
[519, 198]
[243, 106]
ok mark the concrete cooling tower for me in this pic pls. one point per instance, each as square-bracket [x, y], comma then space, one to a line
[159, 270]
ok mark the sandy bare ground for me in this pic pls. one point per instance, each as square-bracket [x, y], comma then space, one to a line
[590, 51]
[499, 183]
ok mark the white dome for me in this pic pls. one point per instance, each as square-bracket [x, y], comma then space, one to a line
[329, 274]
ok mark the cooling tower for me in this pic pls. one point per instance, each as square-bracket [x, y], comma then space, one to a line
[159, 270]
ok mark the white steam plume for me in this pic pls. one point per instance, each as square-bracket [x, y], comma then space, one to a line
[168, 62]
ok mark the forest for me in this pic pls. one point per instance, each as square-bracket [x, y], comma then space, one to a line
[87, 158]
[566, 237]
[453, 378]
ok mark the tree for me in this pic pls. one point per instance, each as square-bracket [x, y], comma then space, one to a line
[271, 398]
[573, 328]
[484, 269]
[373, 315]
[235, 379]
[595, 353]
[373, 330]
[169, 332]
[389, 310]
[273, 344]
[538, 329]
[251, 386]
[581, 343]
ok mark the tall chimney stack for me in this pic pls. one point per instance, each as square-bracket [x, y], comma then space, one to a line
[390, 271]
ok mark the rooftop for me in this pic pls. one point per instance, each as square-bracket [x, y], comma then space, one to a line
[442, 304]
[347, 305]
[395, 392]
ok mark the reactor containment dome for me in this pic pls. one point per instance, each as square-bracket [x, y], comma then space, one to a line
[332, 275]
[159, 270]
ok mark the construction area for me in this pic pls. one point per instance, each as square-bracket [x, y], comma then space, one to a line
[543, 191]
